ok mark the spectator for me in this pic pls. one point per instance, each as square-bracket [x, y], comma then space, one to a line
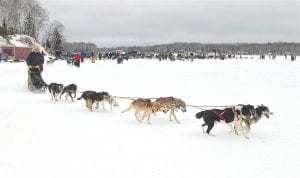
[77, 59]
[293, 57]
[119, 59]
[1, 53]
[82, 56]
[100, 56]
[93, 55]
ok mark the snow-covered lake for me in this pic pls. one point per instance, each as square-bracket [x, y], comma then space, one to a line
[40, 138]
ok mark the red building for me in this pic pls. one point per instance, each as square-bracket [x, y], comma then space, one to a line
[16, 53]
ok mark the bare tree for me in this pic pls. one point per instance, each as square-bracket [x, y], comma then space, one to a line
[23, 16]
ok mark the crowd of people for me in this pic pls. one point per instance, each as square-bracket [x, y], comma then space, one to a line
[35, 61]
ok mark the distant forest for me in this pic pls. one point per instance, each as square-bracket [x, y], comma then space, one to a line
[279, 48]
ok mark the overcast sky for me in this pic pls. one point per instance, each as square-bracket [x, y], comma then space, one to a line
[146, 22]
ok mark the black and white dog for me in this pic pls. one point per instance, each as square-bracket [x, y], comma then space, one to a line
[231, 116]
[259, 112]
[55, 89]
[70, 90]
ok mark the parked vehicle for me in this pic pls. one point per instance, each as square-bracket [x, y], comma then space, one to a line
[134, 54]
[3, 57]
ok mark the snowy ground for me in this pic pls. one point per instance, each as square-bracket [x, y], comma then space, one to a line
[40, 138]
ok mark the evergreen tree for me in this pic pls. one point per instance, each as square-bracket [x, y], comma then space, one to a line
[11, 31]
[3, 28]
[57, 40]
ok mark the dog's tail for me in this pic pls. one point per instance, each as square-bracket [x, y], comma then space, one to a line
[128, 109]
[199, 115]
[80, 97]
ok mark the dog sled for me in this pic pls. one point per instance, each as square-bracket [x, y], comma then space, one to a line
[35, 81]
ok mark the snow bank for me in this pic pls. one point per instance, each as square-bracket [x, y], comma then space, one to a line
[2, 41]
[21, 40]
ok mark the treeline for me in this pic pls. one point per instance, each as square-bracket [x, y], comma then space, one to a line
[79, 46]
[233, 48]
[30, 18]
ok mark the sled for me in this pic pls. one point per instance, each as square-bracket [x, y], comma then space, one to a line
[35, 81]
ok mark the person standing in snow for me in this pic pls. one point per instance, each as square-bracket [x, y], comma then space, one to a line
[119, 59]
[93, 55]
[77, 59]
[293, 57]
[100, 56]
[1, 53]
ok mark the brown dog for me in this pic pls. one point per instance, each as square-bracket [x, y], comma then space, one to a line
[153, 108]
[173, 104]
[146, 106]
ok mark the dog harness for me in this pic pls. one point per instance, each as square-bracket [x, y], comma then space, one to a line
[220, 114]
[221, 117]
[30, 67]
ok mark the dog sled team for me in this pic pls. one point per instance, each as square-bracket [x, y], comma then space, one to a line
[238, 118]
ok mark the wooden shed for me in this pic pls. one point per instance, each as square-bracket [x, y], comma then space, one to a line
[16, 53]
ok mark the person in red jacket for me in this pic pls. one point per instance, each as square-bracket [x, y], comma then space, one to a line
[77, 59]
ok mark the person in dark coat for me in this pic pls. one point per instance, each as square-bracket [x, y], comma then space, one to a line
[35, 62]
[1, 53]
[35, 58]
[293, 57]
[100, 56]
[119, 59]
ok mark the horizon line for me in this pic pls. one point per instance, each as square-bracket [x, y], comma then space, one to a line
[205, 43]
